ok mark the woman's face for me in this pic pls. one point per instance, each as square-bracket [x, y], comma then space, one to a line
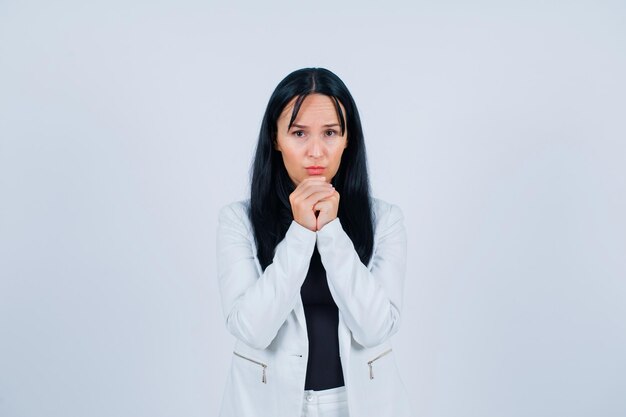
[313, 145]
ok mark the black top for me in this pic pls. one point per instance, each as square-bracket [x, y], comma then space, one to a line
[322, 321]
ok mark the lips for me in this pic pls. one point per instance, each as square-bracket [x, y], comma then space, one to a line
[315, 170]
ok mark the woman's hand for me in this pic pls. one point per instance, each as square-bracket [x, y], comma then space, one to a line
[314, 197]
[327, 208]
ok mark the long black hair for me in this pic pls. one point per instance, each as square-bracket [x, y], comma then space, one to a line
[270, 210]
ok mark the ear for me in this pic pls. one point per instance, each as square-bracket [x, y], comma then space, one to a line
[276, 145]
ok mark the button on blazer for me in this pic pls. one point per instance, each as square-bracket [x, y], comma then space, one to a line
[264, 311]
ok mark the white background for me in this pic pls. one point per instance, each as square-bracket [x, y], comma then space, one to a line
[497, 127]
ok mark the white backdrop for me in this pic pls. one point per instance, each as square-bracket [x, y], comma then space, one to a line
[498, 128]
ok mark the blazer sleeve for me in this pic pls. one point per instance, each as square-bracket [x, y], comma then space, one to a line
[256, 305]
[370, 301]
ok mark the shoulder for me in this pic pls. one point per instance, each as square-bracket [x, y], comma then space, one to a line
[235, 207]
[385, 213]
[235, 213]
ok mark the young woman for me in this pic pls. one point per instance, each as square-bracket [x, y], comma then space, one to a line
[311, 267]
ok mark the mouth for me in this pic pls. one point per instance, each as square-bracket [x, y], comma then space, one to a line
[314, 170]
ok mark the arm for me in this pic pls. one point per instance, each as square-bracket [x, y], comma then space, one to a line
[370, 301]
[255, 306]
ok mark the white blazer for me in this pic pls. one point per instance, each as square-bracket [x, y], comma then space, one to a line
[264, 311]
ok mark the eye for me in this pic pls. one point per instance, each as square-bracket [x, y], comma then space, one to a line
[298, 133]
[331, 133]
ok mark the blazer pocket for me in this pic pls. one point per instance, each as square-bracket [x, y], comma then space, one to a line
[371, 361]
[258, 363]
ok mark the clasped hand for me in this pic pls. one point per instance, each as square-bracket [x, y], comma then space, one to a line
[314, 203]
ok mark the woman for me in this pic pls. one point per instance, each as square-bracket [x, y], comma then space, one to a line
[311, 268]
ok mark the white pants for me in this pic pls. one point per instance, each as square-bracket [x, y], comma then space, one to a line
[332, 402]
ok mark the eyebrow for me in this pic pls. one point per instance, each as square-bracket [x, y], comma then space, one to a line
[303, 126]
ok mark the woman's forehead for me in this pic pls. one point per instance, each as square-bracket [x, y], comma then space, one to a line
[313, 107]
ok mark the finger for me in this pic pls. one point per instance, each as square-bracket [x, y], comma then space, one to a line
[314, 178]
[326, 203]
[306, 191]
[333, 196]
[312, 204]
[311, 182]
[318, 195]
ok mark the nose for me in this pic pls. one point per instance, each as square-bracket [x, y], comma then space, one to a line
[315, 148]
